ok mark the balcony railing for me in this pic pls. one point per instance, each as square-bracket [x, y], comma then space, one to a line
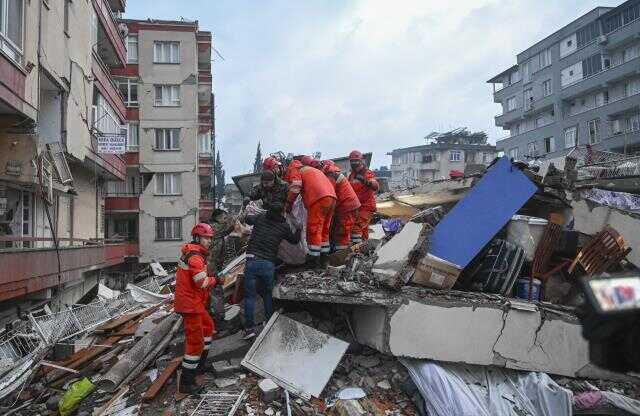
[110, 25]
[32, 270]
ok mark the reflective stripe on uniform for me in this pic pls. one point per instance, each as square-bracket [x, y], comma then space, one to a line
[189, 366]
[199, 276]
[326, 247]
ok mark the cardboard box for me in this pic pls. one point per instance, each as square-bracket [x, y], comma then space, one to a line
[436, 273]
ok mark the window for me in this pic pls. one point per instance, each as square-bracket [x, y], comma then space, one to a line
[527, 98]
[129, 91]
[513, 153]
[587, 34]
[132, 137]
[547, 88]
[204, 143]
[616, 127]
[545, 58]
[631, 13]
[594, 131]
[168, 184]
[514, 77]
[634, 123]
[132, 49]
[592, 65]
[539, 121]
[549, 144]
[612, 23]
[67, 4]
[511, 103]
[166, 52]
[531, 149]
[167, 139]
[168, 229]
[106, 121]
[11, 28]
[167, 95]
[570, 136]
[602, 98]
[455, 155]
[632, 87]
[526, 71]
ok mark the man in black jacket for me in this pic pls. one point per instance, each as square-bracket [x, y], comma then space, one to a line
[269, 230]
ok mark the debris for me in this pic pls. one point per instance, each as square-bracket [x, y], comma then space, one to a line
[220, 403]
[394, 255]
[295, 356]
[526, 232]
[606, 249]
[384, 385]
[159, 382]
[226, 367]
[460, 389]
[139, 353]
[224, 382]
[269, 391]
[350, 393]
[481, 214]
[74, 396]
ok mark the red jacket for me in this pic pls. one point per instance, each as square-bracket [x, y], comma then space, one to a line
[347, 198]
[366, 194]
[192, 282]
[311, 182]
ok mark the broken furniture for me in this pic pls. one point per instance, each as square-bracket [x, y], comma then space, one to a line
[499, 268]
[604, 250]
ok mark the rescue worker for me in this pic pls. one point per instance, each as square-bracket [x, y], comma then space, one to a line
[271, 190]
[346, 207]
[269, 229]
[309, 161]
[222, 225]
[319, 199]
[274, 165]
[365, 185]
[192, 292]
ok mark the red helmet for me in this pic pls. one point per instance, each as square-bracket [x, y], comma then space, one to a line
[315, 163]
[306, 160]
[355, 155]
[202, 230]
[270, 163]
[329, 166]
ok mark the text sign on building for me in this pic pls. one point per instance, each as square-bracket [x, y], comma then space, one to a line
[112, 143]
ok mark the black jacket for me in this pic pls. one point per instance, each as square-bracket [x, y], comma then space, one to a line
[275, 196]
[267, 234]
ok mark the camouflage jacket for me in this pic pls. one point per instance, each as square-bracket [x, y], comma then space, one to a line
[274, 196]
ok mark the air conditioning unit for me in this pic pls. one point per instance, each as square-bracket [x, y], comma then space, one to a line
[603, 39]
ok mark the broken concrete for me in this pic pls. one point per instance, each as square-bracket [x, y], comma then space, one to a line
[473, 328]
[394, 255]
[269, 391]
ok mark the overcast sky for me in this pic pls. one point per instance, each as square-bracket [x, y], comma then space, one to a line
[333, 75]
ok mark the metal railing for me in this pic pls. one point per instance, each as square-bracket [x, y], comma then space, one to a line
[596, 164]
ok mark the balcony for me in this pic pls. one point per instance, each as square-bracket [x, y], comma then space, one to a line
[131, 158]
[28, 271]
[601, 79]
[622, 35]
[507, 91]
[107, 86]
[111, 166]
[122, 203]
[110, 44]
[509, 117]
[12, 90]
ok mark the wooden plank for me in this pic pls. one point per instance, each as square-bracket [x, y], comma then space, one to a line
[116, 322]
[157, 385]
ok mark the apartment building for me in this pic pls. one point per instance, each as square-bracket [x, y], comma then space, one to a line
[579, 86]
[444, 154]
[167, 90]
[57, 101]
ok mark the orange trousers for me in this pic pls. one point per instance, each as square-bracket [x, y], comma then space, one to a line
[198, 331]
[342, 228]
[361, 228]
[319, 216]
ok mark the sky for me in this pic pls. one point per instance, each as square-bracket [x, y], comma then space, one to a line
[331, 76]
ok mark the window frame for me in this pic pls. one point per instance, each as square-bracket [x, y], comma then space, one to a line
[595, 137]
[129, 41]
[547, 92]
[176, 232]
[515, 103]
[171, 102]
[207, 138]
[549, 144]
[453, 152]
[169, 135]
[513, 153]
[573, 129]
[168, 44]
[165, 176]
[12, 50]
[530, 146]
[130, 82]
[129, 125]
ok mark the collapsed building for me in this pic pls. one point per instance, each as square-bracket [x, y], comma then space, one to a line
[464, 299]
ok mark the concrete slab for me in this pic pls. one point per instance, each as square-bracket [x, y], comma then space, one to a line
[394, 255]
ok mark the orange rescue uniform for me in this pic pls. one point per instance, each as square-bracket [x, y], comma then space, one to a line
[367, 197]
[346, 209]
[192, 294]
[319, 199]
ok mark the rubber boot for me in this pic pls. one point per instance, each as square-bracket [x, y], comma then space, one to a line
[202, 364]
[312, 261]
[188, 382]
[324, 260]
